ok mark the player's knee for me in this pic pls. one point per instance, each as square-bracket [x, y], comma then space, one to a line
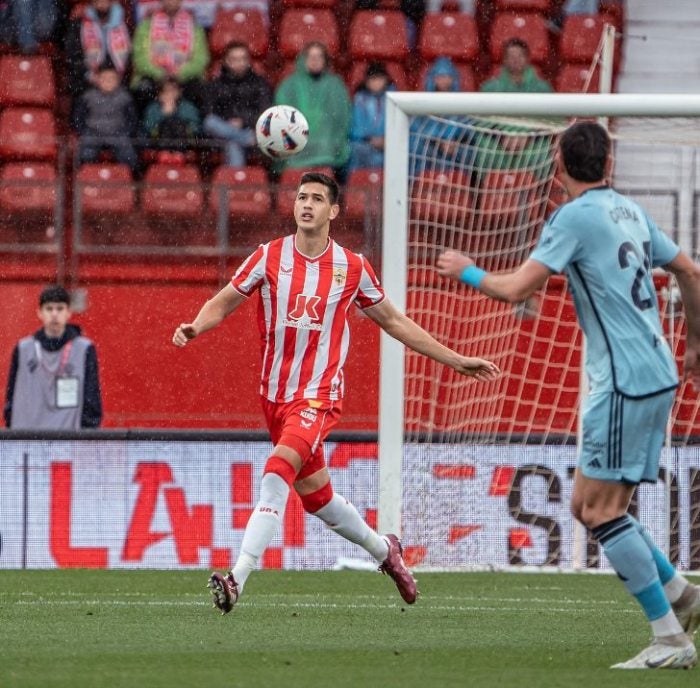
[314, 501]
[577, 509]
[282, 468]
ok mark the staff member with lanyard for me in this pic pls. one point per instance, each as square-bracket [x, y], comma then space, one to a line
[54, 382]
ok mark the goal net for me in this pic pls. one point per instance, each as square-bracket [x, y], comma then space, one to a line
[480, 475]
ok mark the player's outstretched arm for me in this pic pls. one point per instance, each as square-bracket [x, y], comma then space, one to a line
[687, 274]
[401, 327]
[211, 315]
[514, 287]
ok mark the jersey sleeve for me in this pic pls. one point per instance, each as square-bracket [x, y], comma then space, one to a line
[663, 248]
[250, 273]
[558, 245]
[369, 292]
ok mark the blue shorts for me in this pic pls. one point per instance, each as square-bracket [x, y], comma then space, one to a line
[623, 437]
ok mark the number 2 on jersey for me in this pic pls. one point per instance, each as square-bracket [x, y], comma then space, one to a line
[623, 255]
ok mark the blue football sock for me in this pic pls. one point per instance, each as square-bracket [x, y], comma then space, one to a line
[664, 567]
[630, 556]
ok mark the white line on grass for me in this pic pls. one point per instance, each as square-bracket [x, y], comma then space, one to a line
[426, 607]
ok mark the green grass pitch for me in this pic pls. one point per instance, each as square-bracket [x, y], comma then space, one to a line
[150, 629]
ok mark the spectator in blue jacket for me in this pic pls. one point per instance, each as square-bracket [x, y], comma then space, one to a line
[368, 114]
[441, 143]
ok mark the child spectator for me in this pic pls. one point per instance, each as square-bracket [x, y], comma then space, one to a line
[368, 114]
[97, 38]
[235, 100]
[105, 118]
[442, 143]
[171, 122]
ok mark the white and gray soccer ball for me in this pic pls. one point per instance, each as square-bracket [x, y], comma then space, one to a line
[282, 131]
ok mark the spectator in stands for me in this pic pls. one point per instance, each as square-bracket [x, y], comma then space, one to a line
[368, 110]
[100, 37]
[517, 75]
[105, 118]
[171, 123]
[169, 43]
[26, 23]
[444, 143]
[235, 100]
[53, 383]
[322, 97]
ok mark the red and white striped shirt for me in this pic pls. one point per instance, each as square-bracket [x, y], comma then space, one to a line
[303, 315]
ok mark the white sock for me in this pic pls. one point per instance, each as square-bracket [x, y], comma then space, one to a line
[666, 625]
[342, 517]
[262, 526]
[675, 587]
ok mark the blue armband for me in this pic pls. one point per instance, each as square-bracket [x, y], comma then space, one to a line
[473, 276]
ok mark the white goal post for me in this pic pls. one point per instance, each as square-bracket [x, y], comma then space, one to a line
[400, 108]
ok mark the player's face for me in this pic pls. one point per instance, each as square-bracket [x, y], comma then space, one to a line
[237, 60]
[312, 207]
[54, 317]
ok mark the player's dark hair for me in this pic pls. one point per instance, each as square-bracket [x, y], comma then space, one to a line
[320, 178]
[585, 147]
[54, 294]
[236, 45]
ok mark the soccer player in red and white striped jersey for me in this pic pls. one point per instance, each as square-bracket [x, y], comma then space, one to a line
[307, 285]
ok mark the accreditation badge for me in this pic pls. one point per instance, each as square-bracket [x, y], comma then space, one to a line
[67, 392]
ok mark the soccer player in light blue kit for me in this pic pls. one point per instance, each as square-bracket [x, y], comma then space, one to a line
[607, 246]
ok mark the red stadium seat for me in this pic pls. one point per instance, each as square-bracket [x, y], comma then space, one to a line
[438, 197]
[467, 81]
[541, 6]
[395, 69]
[299, 26]
[26, 81]
[580, 37]
[247, 26]
[170, 190]
[507, 195]
[363, 193]
[449, 34]
[245, 190]
[378, 35]
[105, 189]
[27, 187]
[287, 188]
[329, 4]
[531, 28]
[572, 79]
[27, 134]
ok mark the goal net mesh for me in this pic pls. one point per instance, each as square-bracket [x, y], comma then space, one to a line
[488, 468]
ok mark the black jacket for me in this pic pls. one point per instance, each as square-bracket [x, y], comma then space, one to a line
[92, 397]
[246, 97]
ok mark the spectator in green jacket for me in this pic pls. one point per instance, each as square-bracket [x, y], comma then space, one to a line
[169, 43]
[517, 75]
[171, 122]
[323, 99]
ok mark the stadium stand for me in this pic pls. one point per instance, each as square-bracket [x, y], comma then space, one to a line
[247, 26]
[450, 34]
[378, 35]
[299, 26]
[531, 28]
[26, 81]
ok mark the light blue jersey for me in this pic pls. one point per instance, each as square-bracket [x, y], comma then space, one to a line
[606, 245]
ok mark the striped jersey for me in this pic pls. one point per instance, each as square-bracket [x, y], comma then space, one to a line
[303, 315]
